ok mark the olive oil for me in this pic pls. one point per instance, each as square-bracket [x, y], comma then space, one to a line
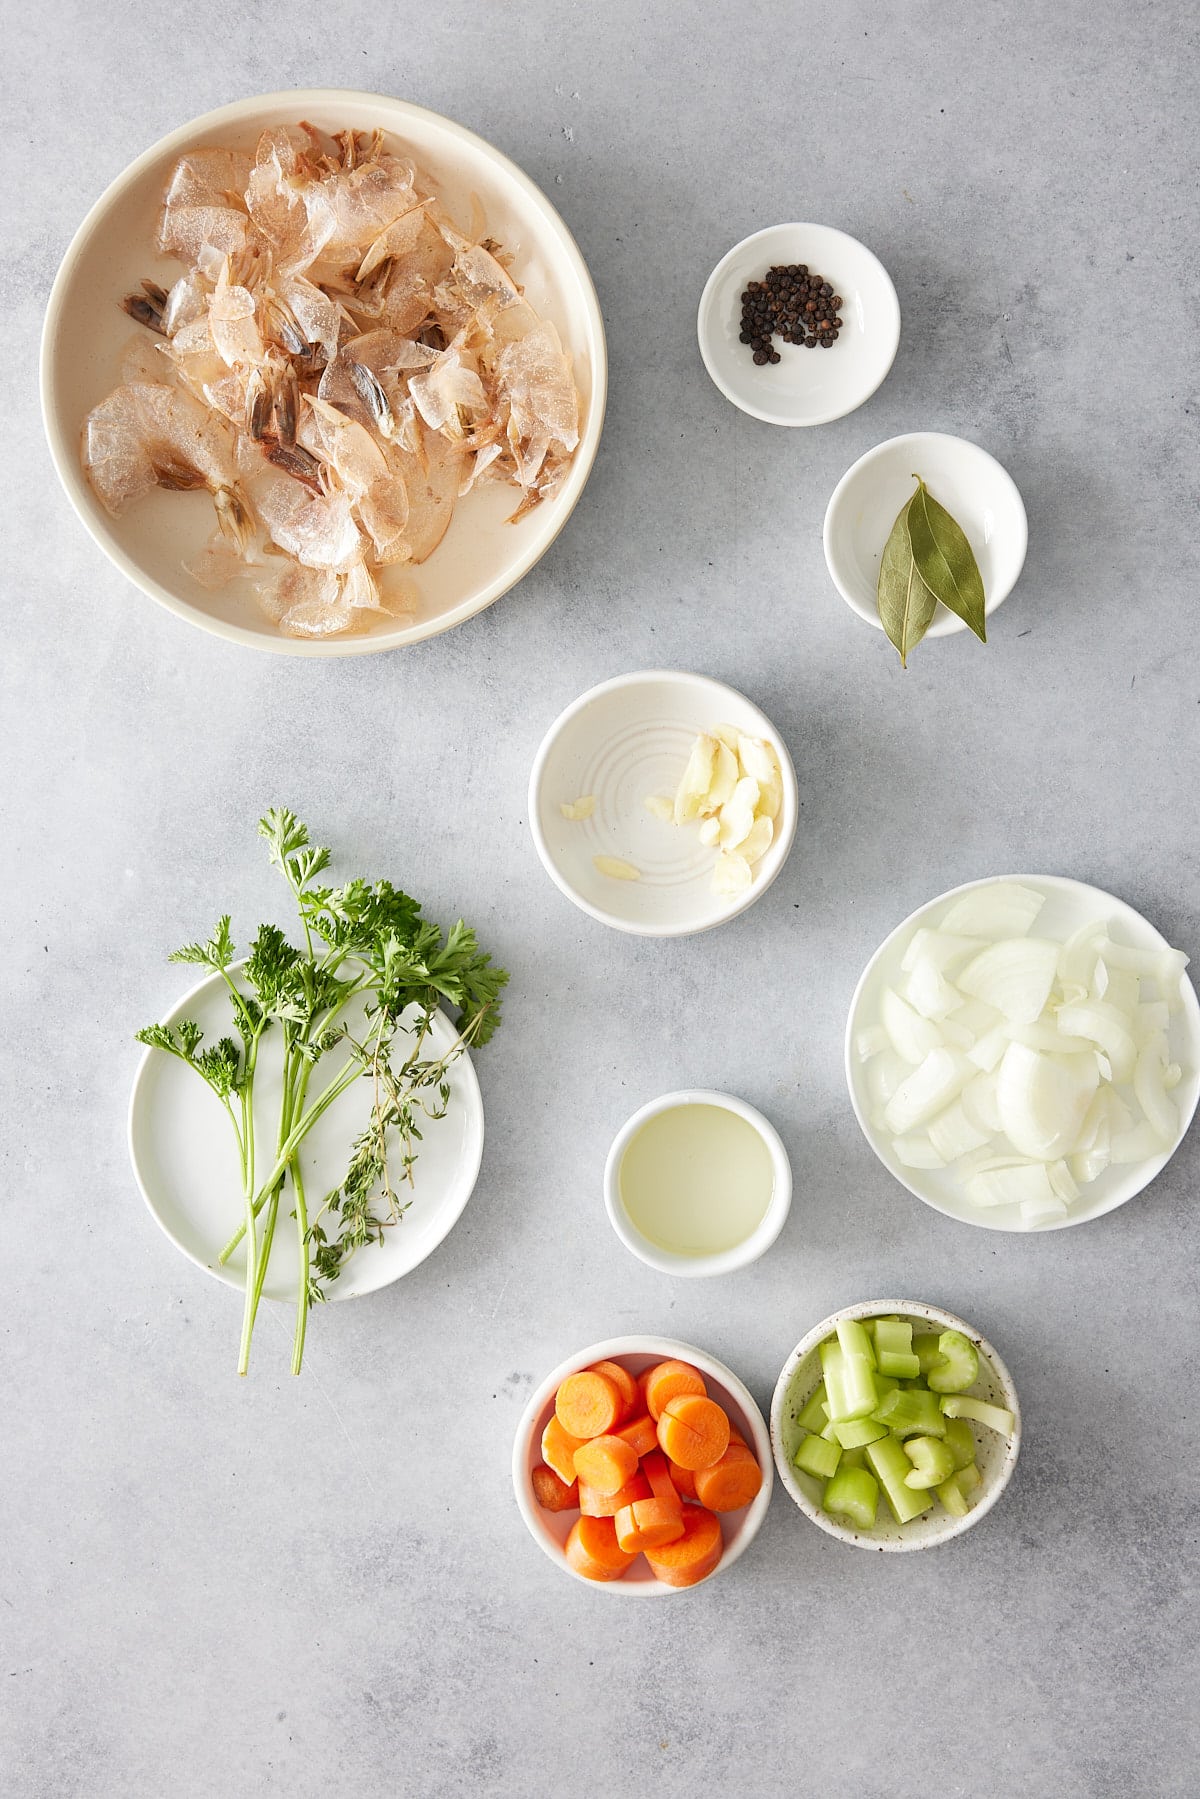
[696, 1180]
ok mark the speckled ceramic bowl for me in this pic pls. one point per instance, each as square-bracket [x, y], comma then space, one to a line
[996, 1456]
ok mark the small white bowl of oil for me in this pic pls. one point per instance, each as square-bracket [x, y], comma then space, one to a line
[697, 1183]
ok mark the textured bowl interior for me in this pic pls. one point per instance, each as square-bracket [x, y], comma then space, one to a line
[620, 742]
[1068, 905]
[805, 387]
[968, 482]
[995, 1456]
[481, 555]
[551, 1529]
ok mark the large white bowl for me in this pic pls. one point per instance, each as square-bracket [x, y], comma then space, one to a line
[995, 1455]
[805, 387]
[972, 486]
[551, 1529]
[481, 556]
[1068, 905]
[620, 742]
[186, 1164]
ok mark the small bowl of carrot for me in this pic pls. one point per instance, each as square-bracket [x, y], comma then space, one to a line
[642, 1465]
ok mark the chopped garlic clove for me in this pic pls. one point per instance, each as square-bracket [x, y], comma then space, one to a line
[710, 832]
[580, 808]
[737, 815]
[731, 875]
[697, 779]
[770, 798]
[615, 869]
[758, 759]
[724, 780]
[728, 735]
[658, 806]
[758, 840]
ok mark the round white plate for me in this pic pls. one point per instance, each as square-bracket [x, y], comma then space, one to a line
[482, 555]
[805, 387]
[1069, 904]
[186, 1163]
[619, 742]
[550, 1530]
[972, 486]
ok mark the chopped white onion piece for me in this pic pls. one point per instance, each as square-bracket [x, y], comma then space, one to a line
[1011, 1186]
[1042, 1211]
[976, 1017]
[1045, 1035]
[1165, 966]
[1043, 1100]
[942, 948]
[1063, 1182]
[952, 1133]
[884, 1075]
[929, 992]
[927, 1090]
[999, 909]
[869, 1041]
[955, 1034]
[1119, 988]
[1077, 957]
[979, 1103]
[1103, 1064]
[911, 1035]
[1151, 1016]
[1104, 1026]
[1150, 1088]
[984, 1161]
[1015, 976]
[916, 1151]
[986, 1053]
[1137, 1145]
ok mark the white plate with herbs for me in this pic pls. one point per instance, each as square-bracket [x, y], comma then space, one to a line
[1023, 1052]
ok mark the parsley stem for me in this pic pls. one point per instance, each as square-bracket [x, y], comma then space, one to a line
[302, 1276]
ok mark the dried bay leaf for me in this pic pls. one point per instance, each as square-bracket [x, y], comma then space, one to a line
[945, 560]
[906, 606]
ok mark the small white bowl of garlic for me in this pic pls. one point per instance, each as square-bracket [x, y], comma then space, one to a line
[662, 803]
[1024, 1052]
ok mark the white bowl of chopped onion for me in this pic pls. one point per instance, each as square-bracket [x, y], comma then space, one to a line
[342, 516]
[1024, 1052]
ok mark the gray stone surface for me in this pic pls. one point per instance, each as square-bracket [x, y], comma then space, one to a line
[210, 1587]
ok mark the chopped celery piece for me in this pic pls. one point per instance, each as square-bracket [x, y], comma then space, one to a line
[814, 1414]
[849, 1384]
[858, 1368]
[953, 1491]
[855, 1433]
[830, 1432]
[891, 1467]
[893, 1335]
[960, 1441]
[853, 1493]
[855, 1340]
[932, 1463]
[912, 1412]
[817, 1457]
[904, 1367]
[853, 1458]
[958, 1366]
[884, 1384]
[925, 1348]
[996, 1417]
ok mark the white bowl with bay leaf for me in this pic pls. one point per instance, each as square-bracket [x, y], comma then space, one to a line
[1024, 1052]
[962, 481]
[662, 803]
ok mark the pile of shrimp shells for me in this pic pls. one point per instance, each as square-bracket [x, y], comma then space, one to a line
[338, 365]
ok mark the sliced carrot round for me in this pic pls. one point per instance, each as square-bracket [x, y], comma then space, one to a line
[587, 1404]
[558, 1450]
[640, 1432]
[624, 1382]
[551, 1493]
[593, 1551]
[693, 1431]
[606, 1463]
[730, 1483]
[648, 1523]
[666, 1381]
[657, 1471]
[692, 1556]
[682, 1479]
[606, 1505]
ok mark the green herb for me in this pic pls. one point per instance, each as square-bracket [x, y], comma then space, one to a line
[361, 940]
[927, 559]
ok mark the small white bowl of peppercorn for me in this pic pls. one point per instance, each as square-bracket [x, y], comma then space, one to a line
[798, 324]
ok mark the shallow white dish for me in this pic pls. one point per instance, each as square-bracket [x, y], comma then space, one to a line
[995, 1455]
[668, 1261]
[620, 742]
[1068, 905]
[805, 387]
[186, 1165]
[481, 556]
[969, 483]
[551, 1529]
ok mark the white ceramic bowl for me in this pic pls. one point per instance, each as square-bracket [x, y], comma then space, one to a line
[481, 556]
[995, 1457]
[186, 1165]
[551, 1529]
[1068, 905]
[969, 483]
[620, 742]
[805, 387]
[668, 1261]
